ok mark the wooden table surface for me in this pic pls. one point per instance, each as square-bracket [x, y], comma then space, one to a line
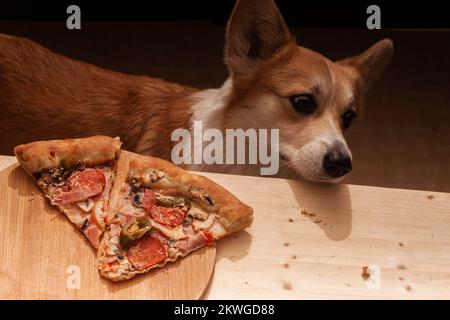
[310, 241]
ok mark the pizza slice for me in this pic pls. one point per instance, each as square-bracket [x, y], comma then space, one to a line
[76, 175]
[164, 212]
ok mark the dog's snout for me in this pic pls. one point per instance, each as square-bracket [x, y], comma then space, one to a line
[337, 162]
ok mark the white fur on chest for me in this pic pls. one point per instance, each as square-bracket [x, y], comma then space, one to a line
[211, 105]
[209, 109]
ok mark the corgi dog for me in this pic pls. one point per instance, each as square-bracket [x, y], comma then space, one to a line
[273, 83]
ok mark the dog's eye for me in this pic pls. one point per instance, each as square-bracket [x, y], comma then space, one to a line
[303, 103]
[347, 119]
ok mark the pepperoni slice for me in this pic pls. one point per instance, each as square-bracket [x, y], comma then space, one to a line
[82, 185]
[146, 253]
[167, 216]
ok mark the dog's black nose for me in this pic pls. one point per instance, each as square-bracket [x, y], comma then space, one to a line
[337, 162]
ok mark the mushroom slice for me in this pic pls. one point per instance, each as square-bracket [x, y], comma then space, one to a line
[203, 225]
[198, 213]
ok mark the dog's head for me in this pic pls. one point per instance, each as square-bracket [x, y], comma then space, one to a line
[309, 98]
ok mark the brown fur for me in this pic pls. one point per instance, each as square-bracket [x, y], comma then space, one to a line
[47, 96]
[44, 95]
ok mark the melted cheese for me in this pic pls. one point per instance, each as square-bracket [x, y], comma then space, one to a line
[175, 234]
[73, 213]
[86, 205]
[205, 224]
[98, 214]
[217, 230]
[198, 212]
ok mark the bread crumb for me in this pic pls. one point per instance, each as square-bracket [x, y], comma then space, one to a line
[287, 285]
[286, 265]
[400, 244]
[317, 221]
[294, 257]
[286, 244]
[401, 267]
[430, 197]
[408, 288]
[365, 274]
[401, 278]
[307, 213]
[291, 220]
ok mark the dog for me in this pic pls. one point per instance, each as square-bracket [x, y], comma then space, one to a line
[272, 83]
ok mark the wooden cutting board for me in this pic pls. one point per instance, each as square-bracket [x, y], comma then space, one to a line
[289, 254]
[43, 256]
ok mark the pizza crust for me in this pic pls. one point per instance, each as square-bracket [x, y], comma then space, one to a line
[44, 155]
[230, 214]
[233, 214]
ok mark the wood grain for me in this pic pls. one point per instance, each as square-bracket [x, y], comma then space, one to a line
[290, 255]
[39, 246]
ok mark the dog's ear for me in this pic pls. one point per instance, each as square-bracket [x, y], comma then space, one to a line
[371, 64]
[255, 31]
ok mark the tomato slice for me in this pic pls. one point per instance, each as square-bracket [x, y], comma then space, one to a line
[209, 237]
[82, 185]
[167, 216]
[147, 252]
[87, 180]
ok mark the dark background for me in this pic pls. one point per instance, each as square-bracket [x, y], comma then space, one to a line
[297, 13]
[403, 138]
